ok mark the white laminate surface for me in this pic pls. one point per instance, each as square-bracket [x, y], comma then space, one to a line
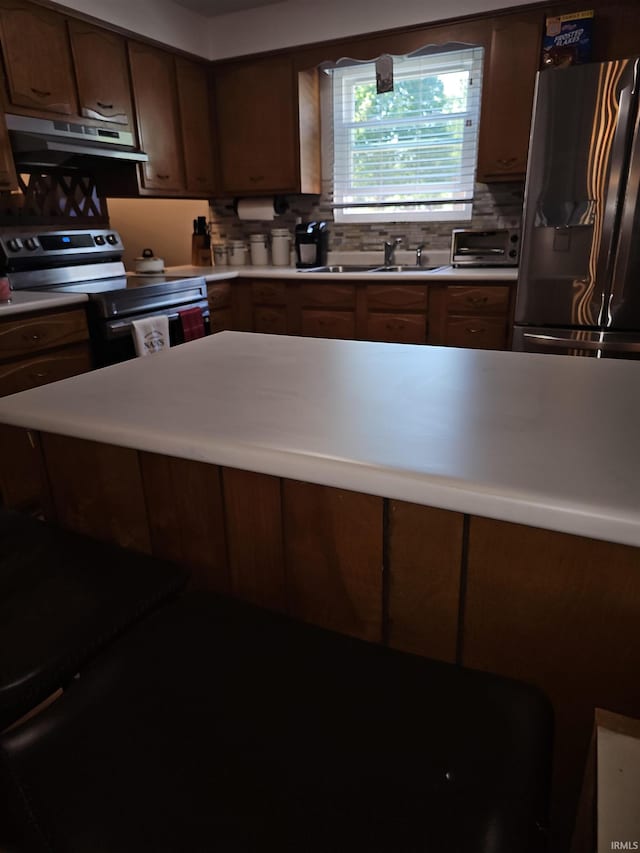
[27, 301]
[548, 441]
[447, 274]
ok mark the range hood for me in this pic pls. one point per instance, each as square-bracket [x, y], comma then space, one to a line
[43, 143]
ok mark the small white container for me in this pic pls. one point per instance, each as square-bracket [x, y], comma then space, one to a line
[280, 247]
[220, 254]
[259, 250]
[237, 253]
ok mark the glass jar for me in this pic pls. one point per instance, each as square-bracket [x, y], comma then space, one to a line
[237, 253]
[220, 254]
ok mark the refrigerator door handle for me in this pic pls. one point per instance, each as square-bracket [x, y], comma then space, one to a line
[571, 343]
[615, 186]
[626, 256]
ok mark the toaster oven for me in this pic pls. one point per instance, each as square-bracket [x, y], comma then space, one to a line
[473, 248]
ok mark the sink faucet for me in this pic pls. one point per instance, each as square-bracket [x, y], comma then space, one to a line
[390, 251]
[419, 249]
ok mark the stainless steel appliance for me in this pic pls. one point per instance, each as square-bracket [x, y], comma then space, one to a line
[579, 275]
[90, 262]
[474, 248]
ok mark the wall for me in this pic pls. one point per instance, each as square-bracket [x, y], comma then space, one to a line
[162, 224]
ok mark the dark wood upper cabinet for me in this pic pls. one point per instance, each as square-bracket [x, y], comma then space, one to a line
[507, 97]
[157, 115]
[37, 58]
[197, 126]
[8, 177]
[102, 74]
[268, 127]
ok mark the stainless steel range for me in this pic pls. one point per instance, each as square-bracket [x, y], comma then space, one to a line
[90, 262]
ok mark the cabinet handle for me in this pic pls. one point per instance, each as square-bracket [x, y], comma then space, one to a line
[104, 106]
[477, 300]
[507, 161]
[31, 337]
[256, 178]
[162, 177]
[474, 331]
[40, 93]
[40, 375]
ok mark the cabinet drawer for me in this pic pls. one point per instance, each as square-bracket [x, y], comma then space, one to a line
[477, 332]
[219, 295]
[220, 319]
[328, 295]
[397, 328]
[40, 370]
[329, 324]
[466, 299]
[269, 292]
[394, 297]
[32, 334]
[270, 320]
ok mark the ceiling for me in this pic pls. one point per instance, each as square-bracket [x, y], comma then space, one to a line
[211, 8]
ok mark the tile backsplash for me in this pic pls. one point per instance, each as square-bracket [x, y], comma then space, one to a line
[494, 206]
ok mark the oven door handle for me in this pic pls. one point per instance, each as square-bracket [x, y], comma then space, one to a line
[117, 328]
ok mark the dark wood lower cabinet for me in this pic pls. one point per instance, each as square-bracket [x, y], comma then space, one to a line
[555, 610]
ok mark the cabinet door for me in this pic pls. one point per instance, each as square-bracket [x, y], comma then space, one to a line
[37, 58]
[30, 334]
[257, 126]
[102, 74]
[397, 328]
[507, 97]
[41, 369]
[197, 126]
[8, 177]
[156, 104]
[272, 321]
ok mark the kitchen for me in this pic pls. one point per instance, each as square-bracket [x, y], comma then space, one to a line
[496, 203]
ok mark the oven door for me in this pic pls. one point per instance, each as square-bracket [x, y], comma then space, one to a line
[114, 338]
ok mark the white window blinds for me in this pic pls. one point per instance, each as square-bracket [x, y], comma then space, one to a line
[409, 154]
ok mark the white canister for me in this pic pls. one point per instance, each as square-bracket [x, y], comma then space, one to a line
[220, 254]
[259, 249]
[280, 247]
[237, 253]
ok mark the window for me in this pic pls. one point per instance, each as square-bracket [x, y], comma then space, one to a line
[409, 154]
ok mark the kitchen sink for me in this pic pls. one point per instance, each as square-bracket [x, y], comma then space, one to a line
[340, 268]
[343, 268]
[406, 268]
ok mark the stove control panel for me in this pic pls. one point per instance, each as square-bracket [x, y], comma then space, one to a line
[23, 249]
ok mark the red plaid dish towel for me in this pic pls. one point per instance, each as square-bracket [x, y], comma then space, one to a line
[192, 323]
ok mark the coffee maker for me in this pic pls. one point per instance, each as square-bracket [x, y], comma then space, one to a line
[312, 242]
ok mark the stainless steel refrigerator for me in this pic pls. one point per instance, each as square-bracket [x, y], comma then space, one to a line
[579, 274]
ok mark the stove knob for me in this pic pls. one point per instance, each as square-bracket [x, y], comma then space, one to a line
[112, 239]
[99, 240]
[15, 244]
[32, 243]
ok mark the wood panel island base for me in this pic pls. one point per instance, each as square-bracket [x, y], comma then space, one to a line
[388, 509]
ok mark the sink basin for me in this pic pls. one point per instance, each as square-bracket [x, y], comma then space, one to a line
[405, 268]
[340, 268]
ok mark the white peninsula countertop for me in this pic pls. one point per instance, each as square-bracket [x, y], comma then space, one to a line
[543, 440]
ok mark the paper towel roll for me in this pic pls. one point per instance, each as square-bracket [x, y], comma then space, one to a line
[256, 208]
[261, 209]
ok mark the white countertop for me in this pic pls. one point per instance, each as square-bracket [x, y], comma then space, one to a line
[25, 301]
[543, 440]
[444, 274]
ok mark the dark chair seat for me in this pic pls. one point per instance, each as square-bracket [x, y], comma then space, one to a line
[212, 725]
[63, 597]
